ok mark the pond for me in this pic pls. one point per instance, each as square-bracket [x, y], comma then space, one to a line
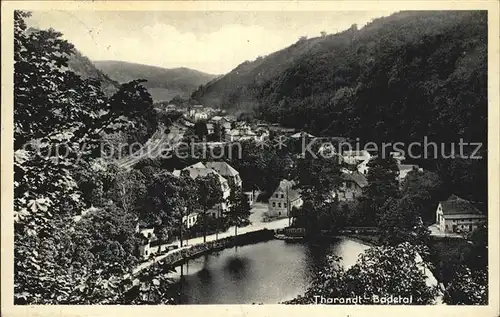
[268, 272]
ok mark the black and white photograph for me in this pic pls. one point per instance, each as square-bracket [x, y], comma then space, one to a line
[292, 157]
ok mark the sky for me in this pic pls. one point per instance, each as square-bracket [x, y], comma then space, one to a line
[212, 42]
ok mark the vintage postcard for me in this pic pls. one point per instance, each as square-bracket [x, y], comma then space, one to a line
[235, 158]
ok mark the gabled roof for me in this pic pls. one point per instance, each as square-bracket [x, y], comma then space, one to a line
[301, 134]
[355, 177]
[405, 167]
[222, 168]
[455, 205]
[287, 187]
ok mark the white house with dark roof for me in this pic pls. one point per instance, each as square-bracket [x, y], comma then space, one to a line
[300, 135]
[227, 171]
[190, 219]
[200, 170]
[457, 214]
[283, 199]
[358, 158]
[352, 186]
[404, 169]
[210, 128]
[240, 134]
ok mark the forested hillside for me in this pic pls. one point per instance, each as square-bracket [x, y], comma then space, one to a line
[399, 78]
[162, 83]
[84, 68]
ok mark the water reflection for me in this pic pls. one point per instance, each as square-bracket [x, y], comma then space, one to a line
[268, 272]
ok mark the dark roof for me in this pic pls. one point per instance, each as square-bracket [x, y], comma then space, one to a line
[455, 205]
[222, 168]
[356, 177]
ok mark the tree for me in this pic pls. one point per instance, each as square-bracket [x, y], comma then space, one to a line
[239, 209]
[382, 185]
[468, 288]
[200, 129]
[317, 179]
[59, 121]
[425, 189]
[167, 200]
[210, 194]
[368, 278]
[401, 222]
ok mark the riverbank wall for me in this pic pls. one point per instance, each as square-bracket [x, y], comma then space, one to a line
[180, 257]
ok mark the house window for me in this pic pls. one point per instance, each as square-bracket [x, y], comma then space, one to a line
[282, 196]
[279, 213]
[274, 204]
[279, 205]
[284, 205]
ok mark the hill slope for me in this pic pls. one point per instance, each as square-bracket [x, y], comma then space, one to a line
[163, 83]
[403, 78]
[81, 65]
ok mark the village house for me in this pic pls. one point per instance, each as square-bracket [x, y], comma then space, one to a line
[210, 128]
[262, 134]
[226, 126]
[230, 118]
[352, 186]
[147, 247]
[216, 118]
[284, 199]
[355, 157]
[300, 135]
[200, 170]
[227, 171]
[251, 197]
[240, 134]
[404, 169]
[457, 214]
[170, 107]
[358, 158]
[398, 156]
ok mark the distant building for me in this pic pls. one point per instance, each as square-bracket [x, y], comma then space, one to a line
[398, 156]
[240, 134]
[171, 107]
[284, 199]
[457, 214]
[230, 118]
[404, 169]
[210, 128]
[226, 126]
[216, 119]
[262, 134]
[198, 116]
[355, 157]
[352, 186]
[358, 158]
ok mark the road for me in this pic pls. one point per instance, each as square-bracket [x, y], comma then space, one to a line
[257, 224]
